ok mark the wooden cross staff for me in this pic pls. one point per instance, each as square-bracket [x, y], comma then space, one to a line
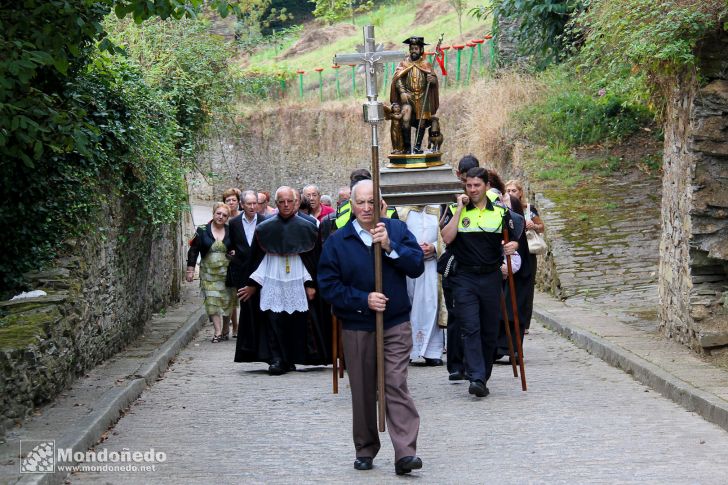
[374, 114]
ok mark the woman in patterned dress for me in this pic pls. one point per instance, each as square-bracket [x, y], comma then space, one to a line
[212, 242]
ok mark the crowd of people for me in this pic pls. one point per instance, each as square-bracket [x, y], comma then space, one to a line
[280, 277]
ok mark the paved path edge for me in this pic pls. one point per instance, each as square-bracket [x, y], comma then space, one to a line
[707, 405]
[107, 409]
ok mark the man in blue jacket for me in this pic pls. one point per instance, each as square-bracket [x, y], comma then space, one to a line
[346, 280]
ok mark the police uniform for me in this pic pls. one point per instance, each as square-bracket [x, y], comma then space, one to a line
[476, 283]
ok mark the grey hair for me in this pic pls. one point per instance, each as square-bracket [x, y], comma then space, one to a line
[248, 192]
[353, 189]
[283, 188]
[312, 186]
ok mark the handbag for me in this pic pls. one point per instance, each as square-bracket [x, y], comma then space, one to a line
[536, 242]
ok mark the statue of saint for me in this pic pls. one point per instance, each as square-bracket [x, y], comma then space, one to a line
[415, 90]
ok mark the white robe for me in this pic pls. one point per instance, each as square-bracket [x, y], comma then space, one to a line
[282, 291]
[427, 337]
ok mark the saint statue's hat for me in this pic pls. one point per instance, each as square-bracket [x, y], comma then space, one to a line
[415, 40]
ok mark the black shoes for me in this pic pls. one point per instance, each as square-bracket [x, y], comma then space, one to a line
[433, 362]
[277, 368]
[478, 388]
[403, 465]
[363, 463]
[407, 464]
[457, 376]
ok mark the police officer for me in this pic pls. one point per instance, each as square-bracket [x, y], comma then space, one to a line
[455, 362]
[475, 236]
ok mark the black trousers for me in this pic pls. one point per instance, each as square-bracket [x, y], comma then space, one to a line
[477, 307]
[454, 336]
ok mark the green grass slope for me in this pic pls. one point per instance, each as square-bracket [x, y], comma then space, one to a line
[393, 23]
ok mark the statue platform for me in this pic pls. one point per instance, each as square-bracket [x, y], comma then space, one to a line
[420, 160]
[434, 184]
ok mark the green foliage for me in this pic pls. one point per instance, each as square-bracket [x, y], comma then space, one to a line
[539, 24]
[571, 115]
[71, 118]
[190, 67]
[257, 15]
[259, 84]
[299, 12]
[573, 118]
[335, 10]
[638, 46]
[559, 164]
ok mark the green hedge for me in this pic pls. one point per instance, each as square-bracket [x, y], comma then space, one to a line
[82, 120]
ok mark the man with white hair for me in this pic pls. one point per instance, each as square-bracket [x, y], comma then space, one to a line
[313, 194]
[346, 281]
[284, 258]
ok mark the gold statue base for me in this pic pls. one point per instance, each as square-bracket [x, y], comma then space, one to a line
[419, 160]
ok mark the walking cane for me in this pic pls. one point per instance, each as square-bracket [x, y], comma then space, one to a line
[335, 352]
[508, 334]
[512, 288]
[342, 360]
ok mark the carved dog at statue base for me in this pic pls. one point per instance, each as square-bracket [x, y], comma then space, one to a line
[434, 136]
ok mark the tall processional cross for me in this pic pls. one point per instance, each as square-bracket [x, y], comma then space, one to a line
[372, 58]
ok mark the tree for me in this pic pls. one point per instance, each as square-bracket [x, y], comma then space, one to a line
[335, 10]
[459, 6]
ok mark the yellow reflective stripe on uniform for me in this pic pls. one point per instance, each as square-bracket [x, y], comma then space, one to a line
[343, 215]
[477, 220]
[478, 229]
[342, 219]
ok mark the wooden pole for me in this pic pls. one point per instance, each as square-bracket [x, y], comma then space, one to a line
[511, 353]
[517, 325]
[378, 287]
[335, 352]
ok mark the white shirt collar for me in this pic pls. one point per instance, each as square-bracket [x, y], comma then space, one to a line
[364, 235]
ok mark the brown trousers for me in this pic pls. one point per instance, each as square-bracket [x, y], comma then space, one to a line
[403, 422]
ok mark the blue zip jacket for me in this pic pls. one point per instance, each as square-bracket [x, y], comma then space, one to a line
[346, 275]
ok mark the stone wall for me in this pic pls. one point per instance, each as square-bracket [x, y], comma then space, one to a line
[100, 294]
[694, 243]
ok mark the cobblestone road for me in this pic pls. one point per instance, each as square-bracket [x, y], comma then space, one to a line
[581, 421]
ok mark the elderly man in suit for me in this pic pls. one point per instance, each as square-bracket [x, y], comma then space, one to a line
[242, 228]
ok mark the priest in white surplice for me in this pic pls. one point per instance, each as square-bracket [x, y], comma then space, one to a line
[427, 337]
[284, 258]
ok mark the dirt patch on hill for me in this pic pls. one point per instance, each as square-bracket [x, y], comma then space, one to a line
[317, 37]
[429, 11]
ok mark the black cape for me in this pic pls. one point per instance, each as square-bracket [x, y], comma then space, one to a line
[294, 235]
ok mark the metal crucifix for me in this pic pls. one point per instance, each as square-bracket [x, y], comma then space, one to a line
[374, 114]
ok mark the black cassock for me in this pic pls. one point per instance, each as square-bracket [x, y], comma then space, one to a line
[299, 338]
